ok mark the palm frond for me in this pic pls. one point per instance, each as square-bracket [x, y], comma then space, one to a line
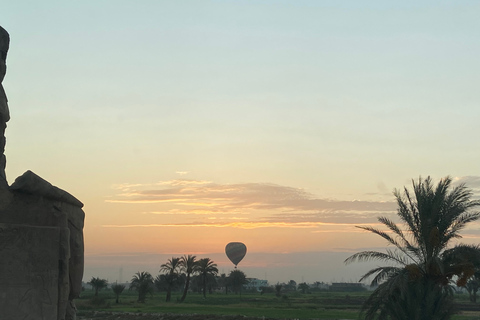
[382, 274]
[382, 234]
[389, 256]
[405, 246]
[461, 221]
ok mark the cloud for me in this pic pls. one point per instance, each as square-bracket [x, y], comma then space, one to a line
[245, 225]
[249, 205]
[228, 197]
[472, 182]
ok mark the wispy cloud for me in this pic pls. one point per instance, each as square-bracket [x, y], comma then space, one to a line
[233, 196]
[471, 182]
[257, 205]
[243, 225]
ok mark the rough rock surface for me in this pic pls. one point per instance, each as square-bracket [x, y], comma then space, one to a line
[4, 111]
[41, 249]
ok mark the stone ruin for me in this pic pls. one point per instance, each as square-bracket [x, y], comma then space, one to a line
[41, 239]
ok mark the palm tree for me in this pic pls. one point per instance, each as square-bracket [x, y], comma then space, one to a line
[206, 268]
[189, 266]
[98, 284]
[117, 289]
[223, 282]
[170, 269]
[143, 283]
[473, 285]
[415, 284]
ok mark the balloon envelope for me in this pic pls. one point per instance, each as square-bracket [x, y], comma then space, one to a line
[235, 252]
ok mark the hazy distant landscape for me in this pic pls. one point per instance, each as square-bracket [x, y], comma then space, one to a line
[337, 140]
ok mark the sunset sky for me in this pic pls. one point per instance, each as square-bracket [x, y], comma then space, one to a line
[185, 125]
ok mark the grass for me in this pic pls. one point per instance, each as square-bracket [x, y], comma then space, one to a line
[319, 305]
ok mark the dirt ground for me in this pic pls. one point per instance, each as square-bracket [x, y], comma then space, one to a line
[160, 316]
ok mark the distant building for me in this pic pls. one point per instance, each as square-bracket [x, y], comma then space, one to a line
[347, 286]
[254, 283]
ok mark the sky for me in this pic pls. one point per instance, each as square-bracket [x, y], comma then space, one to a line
[185, 125]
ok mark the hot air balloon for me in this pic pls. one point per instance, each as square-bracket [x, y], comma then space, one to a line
[235, 252]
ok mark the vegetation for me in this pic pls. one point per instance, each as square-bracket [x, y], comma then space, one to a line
[117, 289]
[142, 282]
[98, 284]
[237, 279]
[222, 282]
[278, 289]
[317, 305]
[303, 287]
[189, 266]
[207, 269]
[417, 283]
[473, 285]
[170, 277]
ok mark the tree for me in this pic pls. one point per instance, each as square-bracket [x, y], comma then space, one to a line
[291, 285]
[206, 269]
[236, 280]
[98, 284]
[473, 285]
[223, 282]
[117, 289]
[303, 287]
[189, 266]
[415, 284]
[278, 289]
[142, 282]
[171, 276]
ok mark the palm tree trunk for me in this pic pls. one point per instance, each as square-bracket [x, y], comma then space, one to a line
[187, 283]
[204, 286]
[169, 294]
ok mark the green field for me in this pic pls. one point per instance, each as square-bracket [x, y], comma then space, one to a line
[319, 305]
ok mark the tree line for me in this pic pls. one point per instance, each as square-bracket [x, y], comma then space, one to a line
[178, 273]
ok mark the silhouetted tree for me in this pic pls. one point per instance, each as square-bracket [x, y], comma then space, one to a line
[189, 266]
[472, 286]
[418, 287]
[196, 284]
[303, 287]
[171, 276]
[237, 279]
[117, 289]
[98, 284]
[291, 286]
[142, 282]
[206, 268]
[223, 282]
[278, 289]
